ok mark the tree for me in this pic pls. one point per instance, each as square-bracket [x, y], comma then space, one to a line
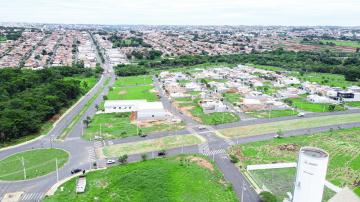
[331, 107]
[97, 107]
[233, 158]
[279, 133]
[123, 159]
[144, 157]
[266, 196]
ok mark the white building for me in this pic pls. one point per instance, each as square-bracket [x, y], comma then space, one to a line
[142, 109]
[310, 175]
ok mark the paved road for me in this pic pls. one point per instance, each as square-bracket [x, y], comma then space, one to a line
[82, 152]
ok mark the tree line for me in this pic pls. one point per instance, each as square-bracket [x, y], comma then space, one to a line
[347, 64]
[29, 98]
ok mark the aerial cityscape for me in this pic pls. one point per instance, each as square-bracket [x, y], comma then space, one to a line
[180, 101]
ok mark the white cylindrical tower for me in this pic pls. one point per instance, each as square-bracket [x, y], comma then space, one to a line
[310, 175]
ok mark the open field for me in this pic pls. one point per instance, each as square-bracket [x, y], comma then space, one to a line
[273, 127]
[353, 104]
[342, 145]
[272, 113]
[266, 67]
[167, 142]
[38, 162]
[354, 44]
[181, 178]
[233, 98]
[214, 118]
[303, 104]
[334, 80]
[133, 93]
[133, 81]
[118, 125]
[280, 182]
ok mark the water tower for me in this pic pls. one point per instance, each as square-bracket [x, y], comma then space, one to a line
[310, 175]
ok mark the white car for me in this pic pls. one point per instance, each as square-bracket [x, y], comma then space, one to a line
[301, 115]
[201, 127]
[110, 161]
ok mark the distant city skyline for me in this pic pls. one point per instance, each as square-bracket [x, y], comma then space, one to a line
[184, 12]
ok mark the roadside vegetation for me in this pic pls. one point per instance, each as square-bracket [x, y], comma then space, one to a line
[37, 162]
[303, 104]
[303, 123]
[180, 178]
[119, 125]
[272, 113]
[157, 144]
[342, 145]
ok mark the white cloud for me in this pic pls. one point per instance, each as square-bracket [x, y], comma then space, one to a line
[232, 12]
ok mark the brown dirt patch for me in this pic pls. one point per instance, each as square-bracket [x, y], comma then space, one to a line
[55, 118]
[102, 183]
[288, 147]
[122, 92]
[202, 162]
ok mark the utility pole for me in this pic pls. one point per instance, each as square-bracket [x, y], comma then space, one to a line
[23, 164]
[57, 170]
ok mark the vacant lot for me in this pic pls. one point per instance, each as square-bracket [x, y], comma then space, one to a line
[86, 83]
[273, 127]
[182, 178]
[342, 145]
[133, 93]
[353, 104]
[133, 81]
[167, 142]
[354, 44]
[38, 162]
[303, 104]
[334, 80]
[233, 98]
[119, 125]
[272, 113]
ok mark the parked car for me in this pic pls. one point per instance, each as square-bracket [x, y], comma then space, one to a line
[162, 153]
[201, 127]
[110, 161]
[76, 170]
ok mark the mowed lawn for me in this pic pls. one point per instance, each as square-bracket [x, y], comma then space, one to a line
[133, 81]
[302, 123]
[354, 44]
[303, 104]
[181, 178]
[157, 144]
[342, 145]
[118, 125]
[38, 162]
[353, 104]
[272, 113]
[133, 93]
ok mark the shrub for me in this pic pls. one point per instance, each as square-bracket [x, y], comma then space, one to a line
[123, 159]
[266, 196]
[233, 158]
[144, 157]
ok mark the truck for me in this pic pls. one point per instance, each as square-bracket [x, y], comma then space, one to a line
[81, 184]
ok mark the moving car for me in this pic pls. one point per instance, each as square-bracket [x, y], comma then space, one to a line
[301, 114]
[110, 161]
[76, 170]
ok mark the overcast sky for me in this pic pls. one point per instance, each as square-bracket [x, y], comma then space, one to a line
[184, 12]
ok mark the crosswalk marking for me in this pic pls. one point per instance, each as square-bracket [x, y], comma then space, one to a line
[214, 152]
[32, 197]
[204, 148]
[92, 155]
[98, 144]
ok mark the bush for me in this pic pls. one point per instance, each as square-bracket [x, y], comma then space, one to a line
[266, 196]
[233, 158]
[144, 157]
[123, 159]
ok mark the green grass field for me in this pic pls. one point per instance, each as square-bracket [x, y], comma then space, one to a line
[118, 125]
[354, 44]
[133, 81]
[181, 178]
[2, 39]
[303, 104]
[133, 93]
[334, 80]
[214, 118]
[342, 145]
[280, 182]
[233, 98]
[266, 67]
[353, 104]
[157, 144]
[38, 162]
[273, 113]
[273, 127]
